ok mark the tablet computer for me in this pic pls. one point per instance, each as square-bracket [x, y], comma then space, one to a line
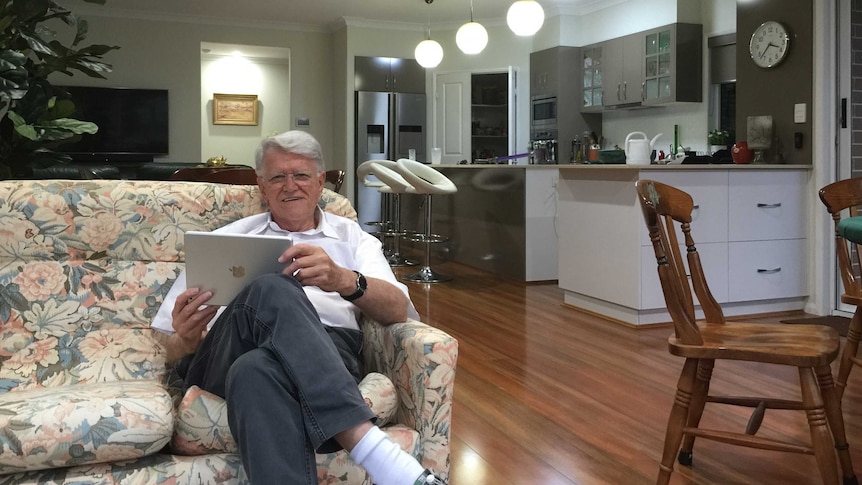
[227, 263]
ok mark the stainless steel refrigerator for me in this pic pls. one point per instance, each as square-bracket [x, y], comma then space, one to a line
[389, 126]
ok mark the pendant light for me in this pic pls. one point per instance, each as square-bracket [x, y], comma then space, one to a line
[472, 36]
[525, 17]
[429, 52]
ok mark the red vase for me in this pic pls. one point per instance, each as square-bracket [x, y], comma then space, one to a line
[741, 153]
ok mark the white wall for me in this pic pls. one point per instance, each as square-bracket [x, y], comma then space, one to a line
[269, 79]
[167, 55]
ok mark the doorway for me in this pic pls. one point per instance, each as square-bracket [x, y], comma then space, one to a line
[849, 122]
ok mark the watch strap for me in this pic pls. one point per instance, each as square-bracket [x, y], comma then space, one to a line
[361, 286]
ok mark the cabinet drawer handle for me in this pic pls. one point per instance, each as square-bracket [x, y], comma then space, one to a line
[769, 271]
[769, 206]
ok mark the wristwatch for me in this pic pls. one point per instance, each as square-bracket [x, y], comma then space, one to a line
[361, 286]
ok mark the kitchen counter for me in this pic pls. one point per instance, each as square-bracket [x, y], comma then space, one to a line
[501, 220]
[749, 225]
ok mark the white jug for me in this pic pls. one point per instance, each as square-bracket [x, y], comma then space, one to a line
[638, 148]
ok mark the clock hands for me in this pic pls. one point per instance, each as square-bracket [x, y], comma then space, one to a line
[770, 44]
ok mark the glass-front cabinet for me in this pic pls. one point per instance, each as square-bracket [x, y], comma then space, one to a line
[657, 65]
[672, 60]
[591, 59]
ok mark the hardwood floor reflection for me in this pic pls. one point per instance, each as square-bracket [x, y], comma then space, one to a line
[545, 394]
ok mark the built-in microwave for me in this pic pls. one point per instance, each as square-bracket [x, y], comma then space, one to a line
[543, 112]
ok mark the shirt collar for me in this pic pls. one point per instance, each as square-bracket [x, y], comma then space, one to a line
[323, 227]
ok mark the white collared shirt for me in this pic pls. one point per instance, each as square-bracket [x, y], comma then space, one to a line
[342, 239]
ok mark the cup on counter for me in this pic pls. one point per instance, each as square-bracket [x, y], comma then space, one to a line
[436, 156]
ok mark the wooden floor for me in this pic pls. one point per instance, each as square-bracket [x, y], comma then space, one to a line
[547, 395]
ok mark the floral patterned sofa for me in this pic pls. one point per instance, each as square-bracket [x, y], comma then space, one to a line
[85, 394]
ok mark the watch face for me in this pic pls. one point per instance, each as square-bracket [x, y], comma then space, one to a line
[769, 44]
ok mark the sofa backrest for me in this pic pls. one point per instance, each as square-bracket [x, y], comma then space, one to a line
[84, 266]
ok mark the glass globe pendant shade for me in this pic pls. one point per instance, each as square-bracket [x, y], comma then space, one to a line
[428, 53]
[525, 17]
[471, 38]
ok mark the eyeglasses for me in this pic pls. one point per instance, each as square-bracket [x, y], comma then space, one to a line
[302, 177]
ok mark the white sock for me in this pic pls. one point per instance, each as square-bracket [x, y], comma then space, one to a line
[384, 460]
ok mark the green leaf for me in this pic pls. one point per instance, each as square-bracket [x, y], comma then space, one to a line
[72, 126]
[83, 28]
[27, 131]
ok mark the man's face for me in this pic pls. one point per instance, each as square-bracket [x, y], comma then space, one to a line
[291, 188]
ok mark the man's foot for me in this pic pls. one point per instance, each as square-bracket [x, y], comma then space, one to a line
[429, 478]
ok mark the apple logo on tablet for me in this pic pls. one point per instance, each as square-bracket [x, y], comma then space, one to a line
[237, 271]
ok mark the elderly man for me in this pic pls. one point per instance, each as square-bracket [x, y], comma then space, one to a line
[285, 353]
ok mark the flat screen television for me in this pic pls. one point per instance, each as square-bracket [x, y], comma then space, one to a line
[133, 124]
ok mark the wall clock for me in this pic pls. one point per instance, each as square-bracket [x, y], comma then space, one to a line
[769, 44]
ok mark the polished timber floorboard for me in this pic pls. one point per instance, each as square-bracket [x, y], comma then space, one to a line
[548, 395]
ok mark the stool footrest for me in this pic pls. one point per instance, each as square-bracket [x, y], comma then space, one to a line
[430, 238]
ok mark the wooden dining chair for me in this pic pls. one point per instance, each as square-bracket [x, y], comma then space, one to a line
[336, 178]
[236, 176]
[191, 174]
[809, 348]
[838, 197]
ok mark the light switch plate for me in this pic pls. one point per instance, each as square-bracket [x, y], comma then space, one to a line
[799, 113]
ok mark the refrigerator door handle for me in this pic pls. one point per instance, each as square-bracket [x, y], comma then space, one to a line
[394, 146]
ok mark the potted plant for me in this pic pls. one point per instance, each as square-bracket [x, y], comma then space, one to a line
[32, 120]
[718, 140]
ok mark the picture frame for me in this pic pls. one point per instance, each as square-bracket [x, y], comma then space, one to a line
[234, 109]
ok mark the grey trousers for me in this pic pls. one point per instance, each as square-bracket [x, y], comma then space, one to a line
[289, 381]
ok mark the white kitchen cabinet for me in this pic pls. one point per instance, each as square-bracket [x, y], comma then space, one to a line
[766, 205]
[748, 227]
[762, 270]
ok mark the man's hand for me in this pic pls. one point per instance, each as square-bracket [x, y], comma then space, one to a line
[311, 266]
[190, 319]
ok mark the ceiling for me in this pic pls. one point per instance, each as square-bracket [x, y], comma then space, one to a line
[323, 14]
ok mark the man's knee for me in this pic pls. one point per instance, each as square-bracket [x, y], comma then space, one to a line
[253, 372]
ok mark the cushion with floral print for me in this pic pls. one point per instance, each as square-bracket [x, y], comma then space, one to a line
[86, 423]
[202, 425]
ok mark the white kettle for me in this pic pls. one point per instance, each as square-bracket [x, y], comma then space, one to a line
[638, 147]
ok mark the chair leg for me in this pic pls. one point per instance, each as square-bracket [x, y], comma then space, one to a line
[832, 406]
[677, 420]
[695, 412]
[821, 438]
[851, 346]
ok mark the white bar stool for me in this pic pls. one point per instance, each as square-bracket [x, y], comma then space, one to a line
[394, 186]
[362, 172]
[428, 181]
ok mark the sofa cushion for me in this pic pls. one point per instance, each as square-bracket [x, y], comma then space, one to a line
[202, 425]
[84, 423]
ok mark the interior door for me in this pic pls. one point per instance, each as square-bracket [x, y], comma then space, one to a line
[845, 150]
[452, 116]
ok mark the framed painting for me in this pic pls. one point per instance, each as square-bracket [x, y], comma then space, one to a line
[234, 109]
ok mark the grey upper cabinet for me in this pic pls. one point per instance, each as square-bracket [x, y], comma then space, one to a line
[662, 65]
[386, 74]
[622, 71]
[673, 58]
[544, 72]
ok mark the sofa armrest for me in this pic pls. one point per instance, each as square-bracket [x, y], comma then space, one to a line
[420, 360]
